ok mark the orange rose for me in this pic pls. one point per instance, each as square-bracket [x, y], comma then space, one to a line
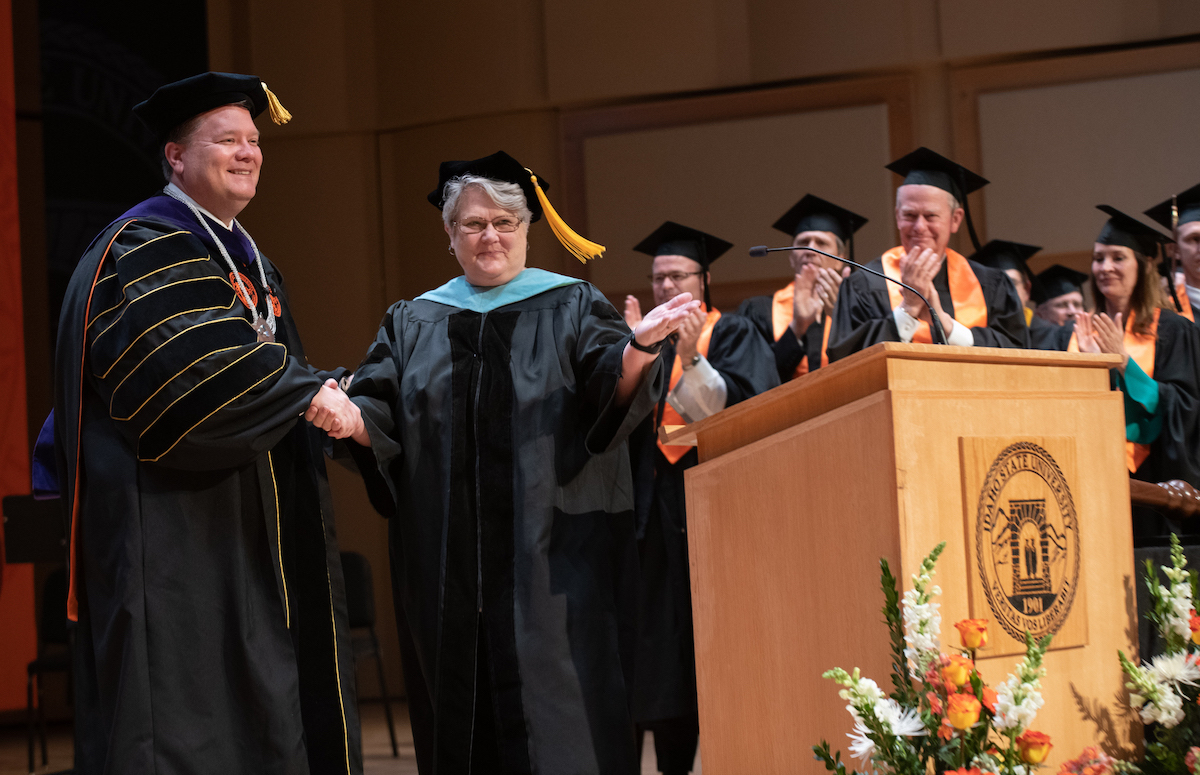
[1034, 746]
[964, 771]
[1195, 625]
[973, 632]
[989, 699]
[958, 672]
[962, 710]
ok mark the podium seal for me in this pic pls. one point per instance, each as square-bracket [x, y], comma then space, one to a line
[1027, 545]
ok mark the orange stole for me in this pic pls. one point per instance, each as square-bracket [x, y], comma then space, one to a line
[781, 318]
[674, 452]
[970, 308]
[1141, 349]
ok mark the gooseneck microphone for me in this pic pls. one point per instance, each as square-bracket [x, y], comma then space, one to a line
[939, 335]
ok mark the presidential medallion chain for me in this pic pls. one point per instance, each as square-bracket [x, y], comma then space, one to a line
[264, 328]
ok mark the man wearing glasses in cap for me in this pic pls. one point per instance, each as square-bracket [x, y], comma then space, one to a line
[205, 578]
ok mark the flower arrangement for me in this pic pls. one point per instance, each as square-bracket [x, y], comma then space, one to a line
[1164, 691]
[940, 716]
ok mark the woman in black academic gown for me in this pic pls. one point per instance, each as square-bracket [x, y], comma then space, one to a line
[495, 411]
[1160, 376]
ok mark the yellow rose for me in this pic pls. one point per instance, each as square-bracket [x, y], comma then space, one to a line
[973, 632]
[1034, 746]
[962, 710]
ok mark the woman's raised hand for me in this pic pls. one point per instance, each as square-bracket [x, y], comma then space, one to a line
[1085, 334]
[665, 319]
[1110, 336]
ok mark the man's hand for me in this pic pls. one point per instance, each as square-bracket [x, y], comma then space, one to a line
[829, 282]
[633, 311]
[806, 301]
[918, 268]
[332, 411]
[689, 335]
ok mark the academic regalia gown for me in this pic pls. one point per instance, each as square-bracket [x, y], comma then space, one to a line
[211, 632]
[501, 458]
[1175, 452]
[1043, 335]
[863, 314]
[665, 686]
[789, 351]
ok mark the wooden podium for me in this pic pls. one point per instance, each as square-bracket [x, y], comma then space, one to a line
[1015, 458]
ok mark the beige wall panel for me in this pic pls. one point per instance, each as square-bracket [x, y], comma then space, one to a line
[318, 58]
[630, 47]
[1053, 153]
[316, 216]
[438, 61]
[734, 179]
[415, 253]
[812, 37]
[1010, 26]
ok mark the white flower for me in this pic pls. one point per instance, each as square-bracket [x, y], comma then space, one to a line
[1166, 709]
[900, 721]
[1175, 669]
[861, 744]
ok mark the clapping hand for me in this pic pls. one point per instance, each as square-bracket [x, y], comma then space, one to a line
[665, 319]
[806, 300]
[918, 268]
[633, 311]
[332, 411]
[1098, 333]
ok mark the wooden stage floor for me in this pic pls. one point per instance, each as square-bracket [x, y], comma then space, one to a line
[377, 750]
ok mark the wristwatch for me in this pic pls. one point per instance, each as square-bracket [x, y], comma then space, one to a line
[692, 363]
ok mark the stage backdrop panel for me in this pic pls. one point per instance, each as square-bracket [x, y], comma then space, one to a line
[734, 178]
[1054, 152]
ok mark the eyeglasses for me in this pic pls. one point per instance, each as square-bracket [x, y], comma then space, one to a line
[504, 225]
[675, 277]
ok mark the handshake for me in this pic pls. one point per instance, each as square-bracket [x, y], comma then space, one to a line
[332, 411]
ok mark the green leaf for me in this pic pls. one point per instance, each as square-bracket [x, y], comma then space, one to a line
[901, 677]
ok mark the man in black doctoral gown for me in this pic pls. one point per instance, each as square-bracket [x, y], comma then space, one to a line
[1011, 258]
[717, 361]
[976, 306]
[797, 319]
[205, 578]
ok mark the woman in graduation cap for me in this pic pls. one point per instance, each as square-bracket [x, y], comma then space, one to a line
[975, 305]
[494, 416]
[718, 360]
[1160, 376]
[797, 319]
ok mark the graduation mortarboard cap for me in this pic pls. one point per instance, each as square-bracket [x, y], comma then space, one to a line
[812, 213]
[1002, 254]
[1127, 231]
[1181, 208]
[673, 239]
[500, 166]
[1057, 281]
[175, 103]
[928, 168]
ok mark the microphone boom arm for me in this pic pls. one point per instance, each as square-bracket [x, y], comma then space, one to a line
[935, 321]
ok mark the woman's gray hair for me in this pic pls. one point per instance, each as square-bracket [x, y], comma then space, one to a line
[506, 196]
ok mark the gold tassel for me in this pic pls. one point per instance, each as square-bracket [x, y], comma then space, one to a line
[279, 114]
[581, 248]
